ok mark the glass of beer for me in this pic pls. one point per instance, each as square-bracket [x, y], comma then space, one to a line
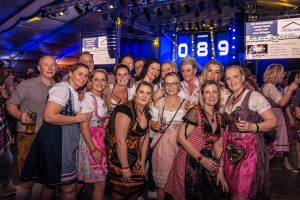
[30, 123]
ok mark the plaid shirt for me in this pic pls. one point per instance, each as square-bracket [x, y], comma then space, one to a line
[5, 136]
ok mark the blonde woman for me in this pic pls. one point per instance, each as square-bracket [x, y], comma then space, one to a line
[214, 71]
[167, 115]
[190, 85]
[273, 75]
[91, 155]
[196, 172]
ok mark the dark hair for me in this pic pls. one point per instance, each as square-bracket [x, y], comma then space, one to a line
[126, 55]
[139, 59]
[292, 76]
[78, 65]
[145, 83]
[146, 68]
[119, 66]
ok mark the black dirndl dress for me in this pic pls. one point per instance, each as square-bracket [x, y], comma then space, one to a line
[52, 157]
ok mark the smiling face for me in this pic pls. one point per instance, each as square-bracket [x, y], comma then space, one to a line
[98, 82]
[153, 71]
[210, 95]
[166, 68]
[234, 79]
[78, 77]
[188, 72]
[171, 85]
[213, 72]
[47, 67]
[143, 95]
[122, 76]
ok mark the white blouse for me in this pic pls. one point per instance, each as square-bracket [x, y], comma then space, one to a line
[270, 90]
[257, 102]
[60, 94]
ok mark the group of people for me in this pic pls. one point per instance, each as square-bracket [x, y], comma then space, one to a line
[199, 138]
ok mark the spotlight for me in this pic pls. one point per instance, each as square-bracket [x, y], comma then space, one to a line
[61, 13]
[78, 9]
[159, 12]
[87, 7]
[172, 8]
[187, 8]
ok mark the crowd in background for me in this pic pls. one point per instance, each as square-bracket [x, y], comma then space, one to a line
[147, 127]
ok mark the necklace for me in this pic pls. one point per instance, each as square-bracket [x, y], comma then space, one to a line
[238, 96]
[212, 117]
[140, 111]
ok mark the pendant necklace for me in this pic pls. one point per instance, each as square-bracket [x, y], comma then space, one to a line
[140, 111]
[212, 117]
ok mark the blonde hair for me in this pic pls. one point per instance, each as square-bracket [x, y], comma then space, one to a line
[203, 77]
[272, 72]
[201, 91]
[189, 61]
[171, 63]
[105, 94]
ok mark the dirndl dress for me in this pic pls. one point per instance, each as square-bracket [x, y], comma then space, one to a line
[52, 157]
[89, 170]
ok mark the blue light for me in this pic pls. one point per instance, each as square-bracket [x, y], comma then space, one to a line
[173, 42]
[233, 38]
[233, 47]
[174, 59]
[193, 41]
[233, 30]
[233, 57]
[173, 49]
[174, 35]
[212, 57]
[212, 48]
[212, 40]
[193, 49]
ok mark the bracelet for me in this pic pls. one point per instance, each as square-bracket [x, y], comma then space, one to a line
[199, 157]
[257, 127]
[125, 169]
[91, 152]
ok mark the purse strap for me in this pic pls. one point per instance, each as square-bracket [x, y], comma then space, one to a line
[168, 124]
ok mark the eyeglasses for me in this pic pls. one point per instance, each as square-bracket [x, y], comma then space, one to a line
[168, 85]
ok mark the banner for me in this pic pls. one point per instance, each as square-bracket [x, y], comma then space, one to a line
[273, 39]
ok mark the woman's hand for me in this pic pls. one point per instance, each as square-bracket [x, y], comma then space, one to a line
[126, 174]
[221, 180]
[158, 94]
[83, 117]
[97, 156]
[209, 164]
[245, 126]
[141, 167]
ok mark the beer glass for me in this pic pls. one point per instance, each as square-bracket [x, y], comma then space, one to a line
[30, 123]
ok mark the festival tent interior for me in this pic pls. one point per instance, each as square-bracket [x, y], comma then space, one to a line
[144, 28]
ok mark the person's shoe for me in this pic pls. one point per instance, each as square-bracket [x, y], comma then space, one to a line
[289, 167]
[152, 194]
[7, 190]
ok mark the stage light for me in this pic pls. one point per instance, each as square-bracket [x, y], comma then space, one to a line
[193, 49]
[174, 35]
[110, 6]
[233, 38]
[78, 9]
[156, 42]
[61, 13]
[212, 57]
[233, 47]
[99, 9]
[87, 7]
[233, 57]
[233, 30]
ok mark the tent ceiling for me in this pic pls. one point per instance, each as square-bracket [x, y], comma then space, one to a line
[24, 43]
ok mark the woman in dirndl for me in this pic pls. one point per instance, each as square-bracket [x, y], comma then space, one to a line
[248, 115]
[52, 158]
[91, 154]
[196, 172]
[127, 139]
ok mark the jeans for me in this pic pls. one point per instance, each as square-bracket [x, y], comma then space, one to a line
[6, 161]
